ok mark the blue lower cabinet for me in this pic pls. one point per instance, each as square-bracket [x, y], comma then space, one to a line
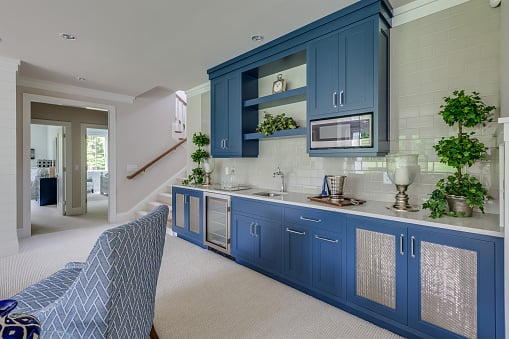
[377, 266]
[256, 242]
[452, 289]
[187, 214]
[297, 254]
[329, 264]
[435, 283]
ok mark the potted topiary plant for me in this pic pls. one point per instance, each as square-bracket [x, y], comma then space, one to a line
[461, 192]
[197, 175]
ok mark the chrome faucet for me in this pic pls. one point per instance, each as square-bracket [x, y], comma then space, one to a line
[281, 174]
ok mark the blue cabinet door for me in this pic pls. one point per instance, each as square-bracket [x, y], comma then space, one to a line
[356, 76]
[377, 266]
[267, 251]
[452, 285]
[226, 116]
[329, 259]
[323, 76]
[187, 214]
[297, 254]
[340, 70]
[243, 238]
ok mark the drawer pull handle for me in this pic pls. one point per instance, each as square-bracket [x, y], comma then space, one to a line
[412, 248]
[296, 232]
[401, 251]
[309, 219]
[328, 240]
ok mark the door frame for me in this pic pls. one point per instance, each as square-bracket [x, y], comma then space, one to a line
[66, 128]
[83, 148]
[28, 99]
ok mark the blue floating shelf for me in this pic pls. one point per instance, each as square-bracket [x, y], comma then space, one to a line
[289, 97]
[279, 134]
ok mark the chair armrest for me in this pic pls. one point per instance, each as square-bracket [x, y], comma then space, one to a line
[75, 264]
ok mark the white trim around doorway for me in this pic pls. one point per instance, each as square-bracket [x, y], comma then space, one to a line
[112, 157]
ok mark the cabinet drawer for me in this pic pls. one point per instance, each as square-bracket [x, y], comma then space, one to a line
[257, 208]
[313, 217]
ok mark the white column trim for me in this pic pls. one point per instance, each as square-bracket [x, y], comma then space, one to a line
[74, 90]
[9, 65]
[421, 8]
[504, 187]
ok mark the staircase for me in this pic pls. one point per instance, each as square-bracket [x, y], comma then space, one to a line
[163, 198]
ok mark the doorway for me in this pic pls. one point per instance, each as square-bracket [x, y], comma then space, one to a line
[94, 152]
[24, 210]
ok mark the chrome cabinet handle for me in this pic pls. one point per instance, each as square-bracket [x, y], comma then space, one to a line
[412, 248]
[328, 240]
[401, 236]
[310, 219]
[295, 232]
[341, 98]
[335, 99]
[251, 227]
[256, 228]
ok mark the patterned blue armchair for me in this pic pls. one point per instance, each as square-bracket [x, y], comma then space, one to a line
[112, 294]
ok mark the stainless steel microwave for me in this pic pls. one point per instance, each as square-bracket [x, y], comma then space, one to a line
[345, 132]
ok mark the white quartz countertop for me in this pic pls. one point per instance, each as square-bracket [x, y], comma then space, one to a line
[486, 224]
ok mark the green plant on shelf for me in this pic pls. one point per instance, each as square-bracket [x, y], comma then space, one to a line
[197, 175]
[271, 124]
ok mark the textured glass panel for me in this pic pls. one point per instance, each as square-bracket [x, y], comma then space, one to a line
[194, 214]
[376, 267]
[449, 288]
[179, 210]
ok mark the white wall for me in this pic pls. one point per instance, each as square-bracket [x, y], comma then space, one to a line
[8, 233]
[430, 57]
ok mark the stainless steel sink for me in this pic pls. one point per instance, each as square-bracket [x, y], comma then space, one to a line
[267, 194]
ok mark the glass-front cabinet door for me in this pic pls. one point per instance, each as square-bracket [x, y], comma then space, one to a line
[187, 214]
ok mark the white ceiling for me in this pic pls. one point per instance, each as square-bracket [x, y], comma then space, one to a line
[131, 46]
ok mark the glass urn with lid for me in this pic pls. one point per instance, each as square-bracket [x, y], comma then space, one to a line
[402, 170]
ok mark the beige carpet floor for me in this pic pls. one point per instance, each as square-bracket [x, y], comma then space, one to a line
[200, 294]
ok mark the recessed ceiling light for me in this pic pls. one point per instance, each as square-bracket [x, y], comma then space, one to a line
[67, 36]
[257, 37]
[81, 78]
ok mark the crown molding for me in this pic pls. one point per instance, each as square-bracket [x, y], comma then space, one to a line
[8, 64]
[200, 89]
[421, 8]
[74, 90]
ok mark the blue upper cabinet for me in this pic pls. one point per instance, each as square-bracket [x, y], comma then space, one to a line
[340, 72]
[227, 120]
[346, 55]
[347, 74]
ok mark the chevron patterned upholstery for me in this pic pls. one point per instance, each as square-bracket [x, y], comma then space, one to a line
[112, 294]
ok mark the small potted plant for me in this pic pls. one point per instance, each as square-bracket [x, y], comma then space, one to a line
[197, 175]
[461, 192]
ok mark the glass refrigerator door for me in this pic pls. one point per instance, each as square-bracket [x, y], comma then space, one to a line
[217, 223]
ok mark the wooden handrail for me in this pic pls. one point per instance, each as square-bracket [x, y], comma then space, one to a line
[144, 168]
[181, 100]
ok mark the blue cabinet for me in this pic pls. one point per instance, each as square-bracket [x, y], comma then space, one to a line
[314, 253]
[341, 72]
[187, 214]
[347, 75]
[256, 237]
[433, 282]
[297, 251]
[228, 120]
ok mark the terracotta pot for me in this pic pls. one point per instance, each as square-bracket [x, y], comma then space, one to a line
[458, 205]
